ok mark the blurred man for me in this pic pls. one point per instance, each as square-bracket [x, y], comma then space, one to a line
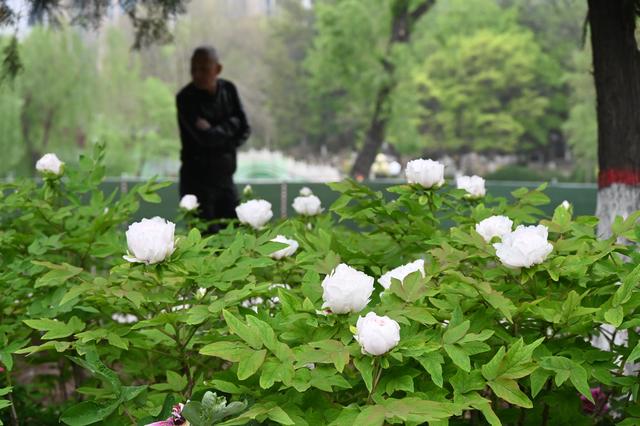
[212, 126]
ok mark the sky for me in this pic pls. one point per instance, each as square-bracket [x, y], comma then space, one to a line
[20, 7]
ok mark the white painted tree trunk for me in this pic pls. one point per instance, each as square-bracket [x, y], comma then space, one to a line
[616, 200]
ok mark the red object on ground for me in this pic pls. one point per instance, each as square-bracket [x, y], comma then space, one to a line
[608, 177]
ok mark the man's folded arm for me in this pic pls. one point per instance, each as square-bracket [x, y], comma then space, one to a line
[230, 133]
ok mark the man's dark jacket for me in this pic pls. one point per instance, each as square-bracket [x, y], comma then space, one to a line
[209, 156]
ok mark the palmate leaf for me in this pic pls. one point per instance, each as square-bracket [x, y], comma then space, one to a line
[408, 410]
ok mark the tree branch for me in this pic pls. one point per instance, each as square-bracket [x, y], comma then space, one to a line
[421, 9]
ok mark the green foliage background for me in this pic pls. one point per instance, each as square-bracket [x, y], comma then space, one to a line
[495, 76]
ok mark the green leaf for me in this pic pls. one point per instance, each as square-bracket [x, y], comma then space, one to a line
[249, 365]
[338, 352]
[278, 415]
[175, 382]
[230, 351]
[614, 316]
[635, 353]
[625, 290]
[249, 335]
[432, 363]
[538, 379]
[399, 383]
[198, 314]
[56, 329]
[87, 413]
[578, 378]
[58, 275]
[92, 363]
[491, 370]
[365, 367]
[508, 390]
[411, 289]
[453, 334]
[458, 356]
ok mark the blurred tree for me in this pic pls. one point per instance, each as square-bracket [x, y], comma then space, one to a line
[581, 127]
[355, 66]
[136, 115]
[486, 92]
[291, 34]
[150, 19]
[10, 138]
[56, 92]
[404, 15]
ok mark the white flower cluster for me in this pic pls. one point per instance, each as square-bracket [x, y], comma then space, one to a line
[522, 248]
[307, 204]
[347, 290]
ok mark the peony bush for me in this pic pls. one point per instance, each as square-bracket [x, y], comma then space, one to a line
[431, 304]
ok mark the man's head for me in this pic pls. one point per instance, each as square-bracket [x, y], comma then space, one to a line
[205, 67]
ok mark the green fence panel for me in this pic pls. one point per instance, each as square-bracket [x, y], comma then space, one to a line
[281, 195]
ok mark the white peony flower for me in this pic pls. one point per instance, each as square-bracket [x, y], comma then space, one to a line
[255, 213]
[50, 163]
[394, 168]
[189, 202]
[307, 205]
[305, 191]
[401, 272]
[287, 251]
[150, 240]
[377, 335]
[124, 318]
[494, 226]
[524, 247]
[474, 185]
[427, 173]
[346, 290]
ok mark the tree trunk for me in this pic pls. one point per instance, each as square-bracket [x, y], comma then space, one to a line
[616, 70]
[401, 26]
[374, 137]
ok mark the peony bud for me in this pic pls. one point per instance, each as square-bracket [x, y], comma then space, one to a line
[474, 185]
[401, 272]
[255, 213]
[566, 204]
[524, 247]
[247, 191]
[287, 251]
[307, 206]
[427, 173]
[377, 335]
[51, 164]
[305, 191]
[189, 202]
[150, 240]
[494, 226]
[346, 290]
